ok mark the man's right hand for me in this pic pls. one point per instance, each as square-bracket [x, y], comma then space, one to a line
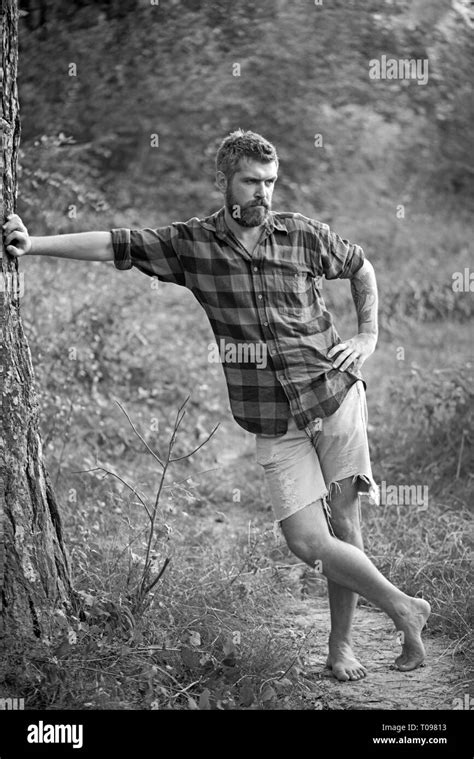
[14, 231]
[84, 246]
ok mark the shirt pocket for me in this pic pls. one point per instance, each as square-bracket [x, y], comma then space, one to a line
[293, 290]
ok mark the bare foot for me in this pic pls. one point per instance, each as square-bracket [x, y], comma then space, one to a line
[343, 663]
[411, 622]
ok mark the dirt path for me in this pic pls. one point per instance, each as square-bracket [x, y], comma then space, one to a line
[433, 686]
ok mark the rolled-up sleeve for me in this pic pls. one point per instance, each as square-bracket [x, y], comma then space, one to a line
[152, 251]
[340, 259]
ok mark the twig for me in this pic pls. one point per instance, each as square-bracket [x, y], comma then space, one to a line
[240, 571]
[158, 648]
[146, 568]
[196, 682]
[190, 476]
[458, 470]
[155, 455]
[164, 672]
[187, 455]
[152, 584]
[109, 471]
[295, 658]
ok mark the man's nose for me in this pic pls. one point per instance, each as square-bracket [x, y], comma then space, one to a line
[260, 191]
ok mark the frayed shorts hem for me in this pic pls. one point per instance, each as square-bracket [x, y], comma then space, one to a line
[298, 465]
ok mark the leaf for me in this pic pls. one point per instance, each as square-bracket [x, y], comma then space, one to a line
[62, 649]
[230, 651]
[205, 659]
[204, 702]
[86, 597]
[189, 657]
[228, 646]
[229, 661]
[192, 703]
[268, 693]
[61, 619]
[283, 685]
[194, 638]
[247, 695]
[72, 637]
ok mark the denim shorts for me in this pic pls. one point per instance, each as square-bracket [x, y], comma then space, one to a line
[303, 466]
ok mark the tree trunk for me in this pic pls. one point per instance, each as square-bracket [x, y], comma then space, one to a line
[34, 573]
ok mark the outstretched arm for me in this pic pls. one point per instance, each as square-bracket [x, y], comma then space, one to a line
[85, 246]
[357, 350]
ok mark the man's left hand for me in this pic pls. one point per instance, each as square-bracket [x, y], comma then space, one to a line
[354, 351]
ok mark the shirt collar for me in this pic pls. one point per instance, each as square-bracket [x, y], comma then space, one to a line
[216, 223]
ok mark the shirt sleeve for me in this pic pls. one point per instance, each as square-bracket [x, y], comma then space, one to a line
[340, 259]
[152, 251]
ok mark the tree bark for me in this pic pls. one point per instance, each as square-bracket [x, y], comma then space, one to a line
[34, 572]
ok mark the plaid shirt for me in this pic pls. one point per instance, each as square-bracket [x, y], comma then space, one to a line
[269, 302]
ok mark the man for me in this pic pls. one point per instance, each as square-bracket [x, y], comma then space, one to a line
[257, 274]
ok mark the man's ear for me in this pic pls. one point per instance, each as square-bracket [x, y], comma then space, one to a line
[221, 181]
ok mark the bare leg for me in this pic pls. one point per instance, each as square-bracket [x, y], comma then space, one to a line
[344, 504]
[308, 536]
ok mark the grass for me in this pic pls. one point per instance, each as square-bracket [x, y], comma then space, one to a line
[212, 634]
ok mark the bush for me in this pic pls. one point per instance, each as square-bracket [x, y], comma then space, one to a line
[431, 411]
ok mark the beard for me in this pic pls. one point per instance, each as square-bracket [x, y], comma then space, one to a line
[252, 214]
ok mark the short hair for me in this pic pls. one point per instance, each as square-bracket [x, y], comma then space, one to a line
[240, 144]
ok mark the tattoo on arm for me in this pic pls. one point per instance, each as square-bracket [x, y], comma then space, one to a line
[364, 294]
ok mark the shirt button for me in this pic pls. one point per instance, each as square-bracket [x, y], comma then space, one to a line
[265, 324]
[260, 297]
[255, 268]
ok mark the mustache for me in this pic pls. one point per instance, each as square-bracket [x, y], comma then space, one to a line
[257, 203]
